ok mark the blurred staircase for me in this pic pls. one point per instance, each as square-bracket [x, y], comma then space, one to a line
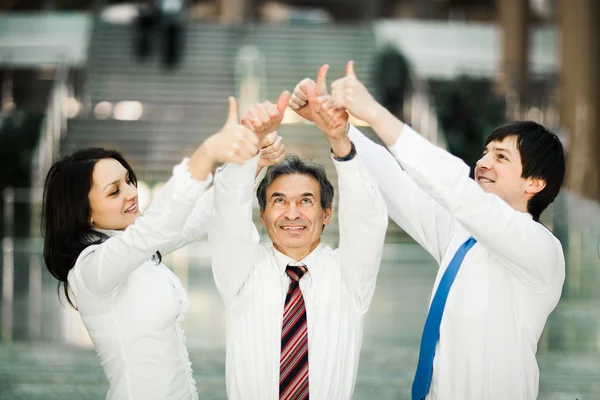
[182, 107]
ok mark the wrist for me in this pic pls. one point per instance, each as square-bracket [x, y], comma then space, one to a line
[202, 161]
[377, 112]
[341, 148]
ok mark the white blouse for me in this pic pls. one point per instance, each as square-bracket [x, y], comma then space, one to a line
[133, 306]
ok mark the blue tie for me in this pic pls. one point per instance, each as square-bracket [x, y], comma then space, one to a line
[431, 332]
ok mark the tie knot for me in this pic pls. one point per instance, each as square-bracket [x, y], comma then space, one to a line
[296, 272]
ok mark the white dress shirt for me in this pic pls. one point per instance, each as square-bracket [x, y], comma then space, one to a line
[337, 288]
[508, 284]
[133, 306]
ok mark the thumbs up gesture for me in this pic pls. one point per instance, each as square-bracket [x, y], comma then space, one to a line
[349, 93]
[266, 117]
[233, 143]
[299, 99]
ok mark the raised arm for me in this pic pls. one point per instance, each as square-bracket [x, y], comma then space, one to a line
[103, 267]
[525, 247]
[233, 238]
[363, 224]
[362, 211]
[196, 226]
[408, 205]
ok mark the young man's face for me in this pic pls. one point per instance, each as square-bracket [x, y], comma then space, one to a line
[499, 171]
[293, 214]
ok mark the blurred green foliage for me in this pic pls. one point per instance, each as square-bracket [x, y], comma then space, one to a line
[468, 110]
[19, 134]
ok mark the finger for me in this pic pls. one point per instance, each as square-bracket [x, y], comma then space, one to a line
[322, 80]
[326, 102]
[283, 101]
[311, 91]
[337, 89]
[278, 154]
[325, 116]
[261, 113]
[350, 69]
[255, 122]
[247, 124]
[233, 110]
[273, 147]
[247, 135]
[245, 147]
[272, 110]
[300, 89]
[269, 139]
[338, 98]
[297, 102]
[294, 106]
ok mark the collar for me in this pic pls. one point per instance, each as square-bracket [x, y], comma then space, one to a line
[310, 260]
[108, 232]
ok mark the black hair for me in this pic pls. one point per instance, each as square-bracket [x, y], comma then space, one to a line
[291, 165]
[66, 211]
[542, 157]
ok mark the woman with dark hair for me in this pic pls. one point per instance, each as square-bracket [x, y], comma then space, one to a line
[108, 257]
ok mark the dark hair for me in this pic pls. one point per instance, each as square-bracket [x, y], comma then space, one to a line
[291, 165]
[542, 157]
[66, 211]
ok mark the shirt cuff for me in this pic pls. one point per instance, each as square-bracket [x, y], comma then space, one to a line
[240, 174]
[185, 185]
[351, 174]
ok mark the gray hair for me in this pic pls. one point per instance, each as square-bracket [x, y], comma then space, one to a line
[292, 164]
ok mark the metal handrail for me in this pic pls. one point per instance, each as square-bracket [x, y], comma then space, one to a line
[54, 127]
[423, 116]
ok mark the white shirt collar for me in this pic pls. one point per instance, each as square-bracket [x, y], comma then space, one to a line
[108, 232]
[310, 261]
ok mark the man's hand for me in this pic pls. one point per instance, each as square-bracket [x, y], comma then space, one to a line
[351, 94]
[272, 150]
[299, 98]
[265, 118]
[233, 143]
[331, 120]
[308, 105]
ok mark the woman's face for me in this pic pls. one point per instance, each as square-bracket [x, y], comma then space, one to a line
[113, 197]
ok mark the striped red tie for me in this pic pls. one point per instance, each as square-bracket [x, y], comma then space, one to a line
[293, 375]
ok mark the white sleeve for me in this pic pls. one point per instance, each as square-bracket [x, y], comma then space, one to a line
[363, 224]
[408, 205]
[526, 247]
[232, 236]
[195, 227]
[102, 268]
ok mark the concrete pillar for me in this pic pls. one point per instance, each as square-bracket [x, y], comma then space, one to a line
[232, 11]
[513, 17]
[579, 93]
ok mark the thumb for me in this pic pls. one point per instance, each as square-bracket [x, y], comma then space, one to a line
[350, 69]
[311, 92]
[282, 102]
[233, 111]
[322, 80]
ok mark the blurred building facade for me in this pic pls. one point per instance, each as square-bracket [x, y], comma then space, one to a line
[71, 76]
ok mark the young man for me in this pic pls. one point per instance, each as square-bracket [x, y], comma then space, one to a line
[505, 269]
[295, 307]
